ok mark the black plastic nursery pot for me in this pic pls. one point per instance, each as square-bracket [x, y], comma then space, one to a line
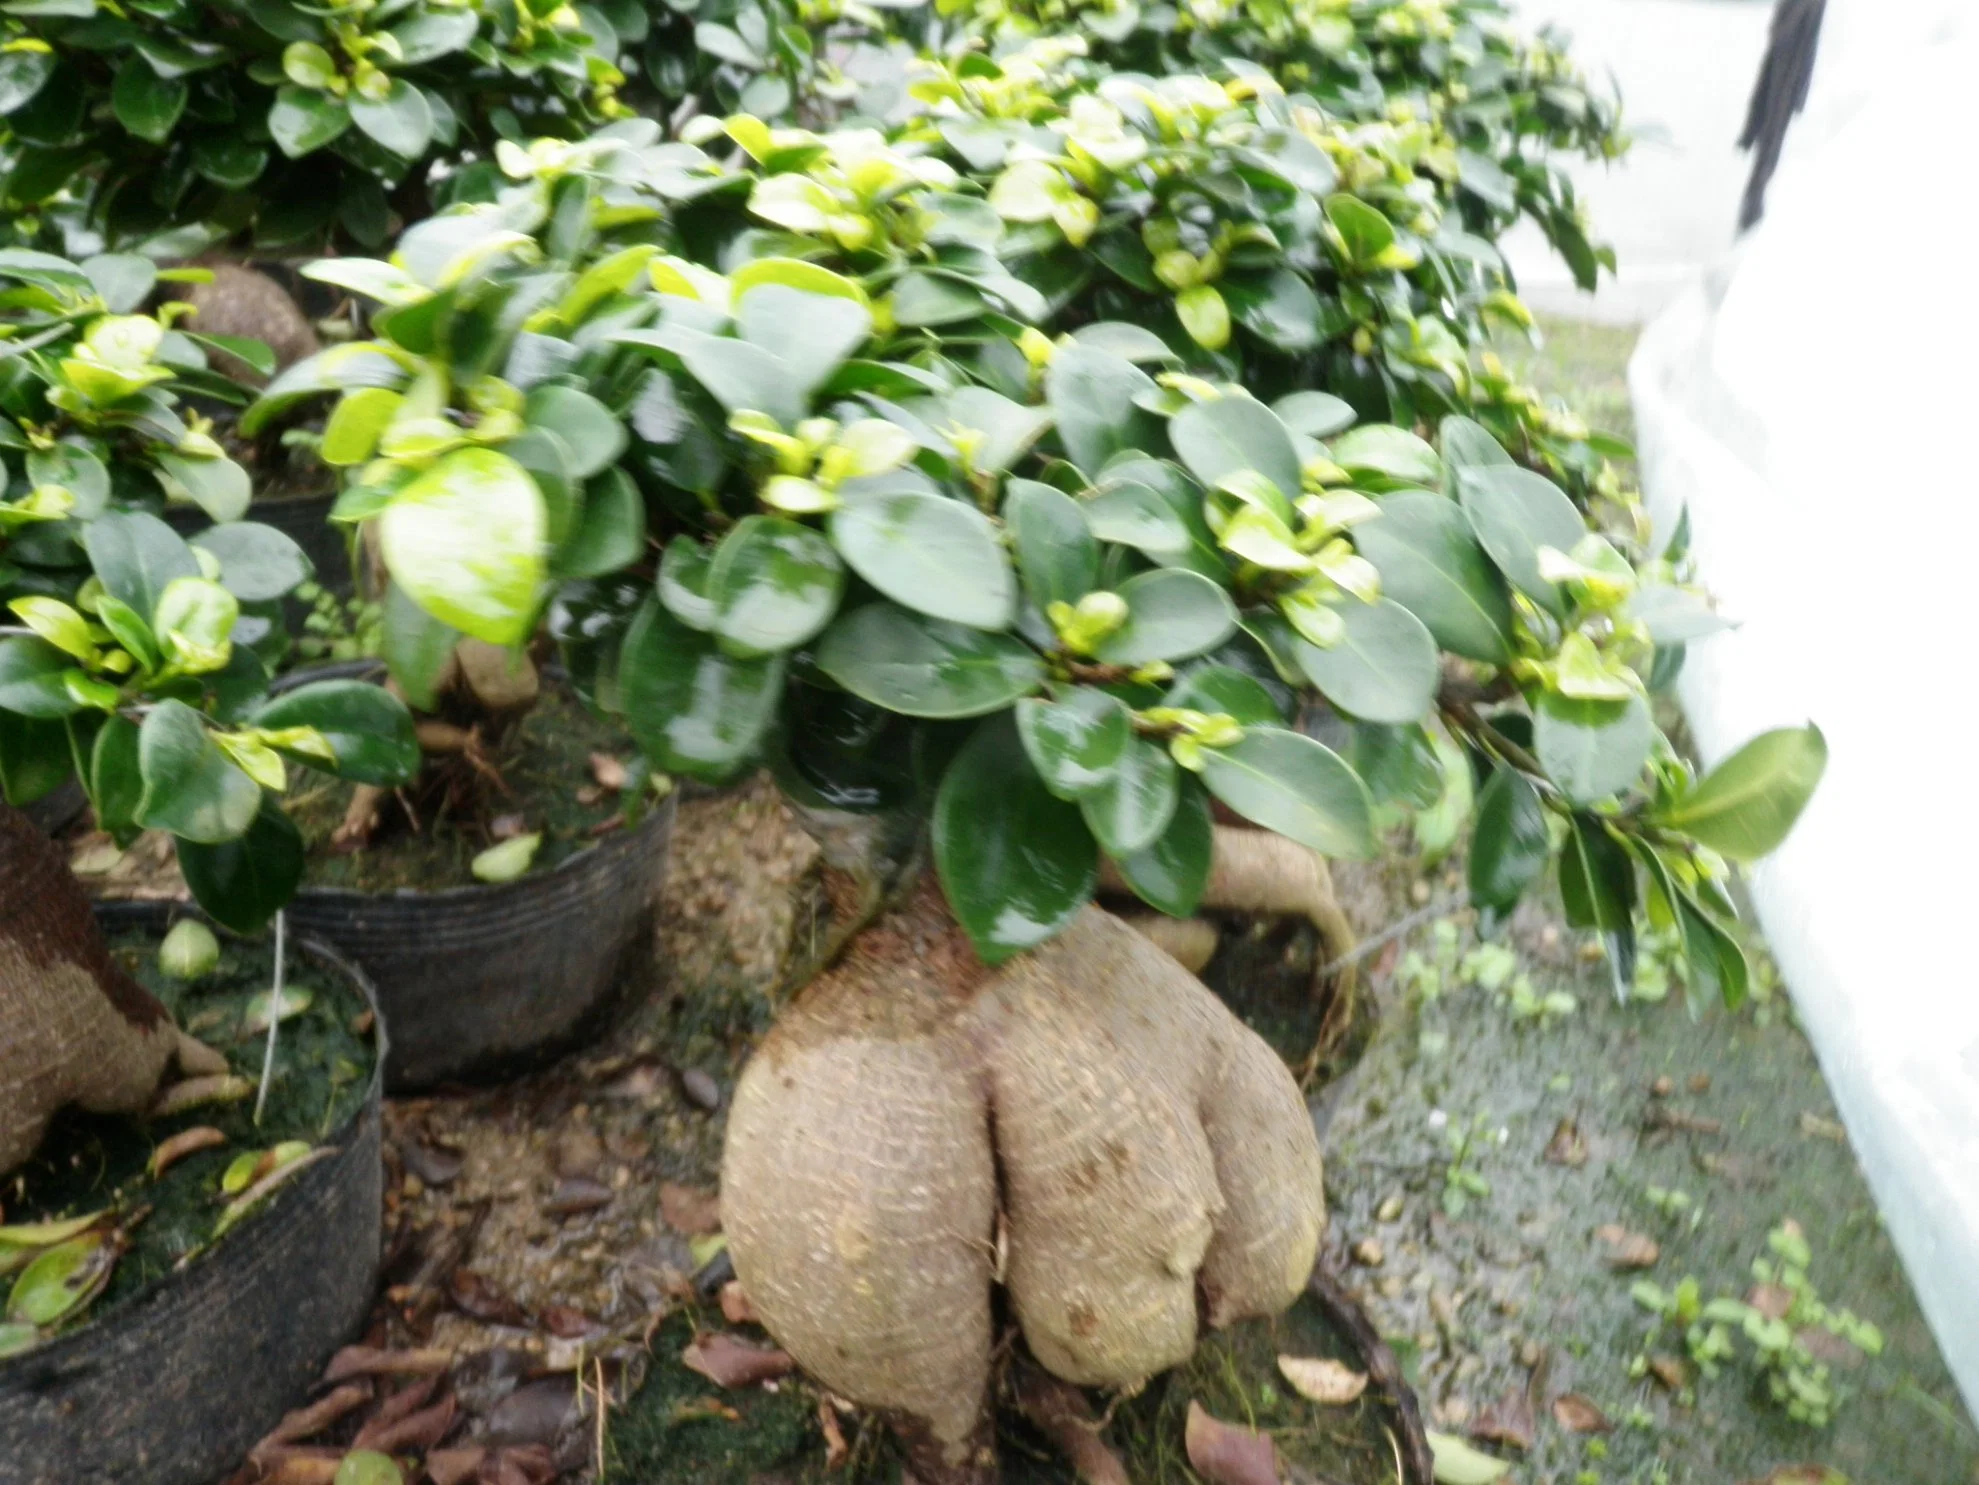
[174, 1386]
[482, 982]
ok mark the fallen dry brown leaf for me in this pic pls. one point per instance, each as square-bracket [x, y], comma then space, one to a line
[1578, 1414]
[1226, 1455]
[1568, 1146]
[736, 1308]
[1330, 1382]
[836, 1449]
[729, 1361]
[1508, 1421]
[454, 1466]
[1628, 1250]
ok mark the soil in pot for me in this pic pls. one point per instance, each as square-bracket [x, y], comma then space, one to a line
[324, 1056]
[560, 773]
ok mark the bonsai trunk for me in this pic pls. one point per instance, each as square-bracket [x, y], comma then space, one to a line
[74, 1027]
[1083, 1144]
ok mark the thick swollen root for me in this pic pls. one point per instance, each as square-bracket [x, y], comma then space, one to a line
[74, 1027]
[1154, 1155]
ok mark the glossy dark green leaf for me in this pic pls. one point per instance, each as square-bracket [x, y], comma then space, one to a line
[811, 335]
[1364, 232]
[116, 779]
[137, 556]
[774, 584]
[1056, 553]
[1384, 669]
[243, 883]
[220, 487]
[1016, 863]
[1092, 395]
[1171, 615]
[31, 685]
[34, 757]
[1747, 805]
[1592, 750]
[587, 428]
[1075, 744]
[401, 121]
[1431, 564]
[145, 103]
[1131, 810]
[1509, 843]
[191, 788]
[610, 532]
[73, 465]
[257, 562]
[1515, 512]
[1467, 444]
[22, 74]
[367, 727]
[1131, 514]
[1231, 435]
[1170, 875]
[1278, 307]
[302, 120]
[683, 582]
[1715, 958]
[1597, 888]
[1400, 765]
[923, 667]
[1287, 782]
[692, 709]
[1008, 428]
[416, 647]
[929, 553]
[1220, 688]
[927, 299]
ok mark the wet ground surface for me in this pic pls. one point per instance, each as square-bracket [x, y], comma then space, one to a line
[557, 1240]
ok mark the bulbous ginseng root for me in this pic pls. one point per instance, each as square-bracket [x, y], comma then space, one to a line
[1152, 1160]
[74, 1027]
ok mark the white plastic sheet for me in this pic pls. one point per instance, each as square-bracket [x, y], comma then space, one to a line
[1815, 403]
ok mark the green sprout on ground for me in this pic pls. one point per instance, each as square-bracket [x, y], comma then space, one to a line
[1776, 1318]
[1462, 1183]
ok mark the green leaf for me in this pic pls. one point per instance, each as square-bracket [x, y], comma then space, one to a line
[586, 427]
[466, 539]
[507, 861]
[243, 883]
[929, 300]
[116, 778]
[190, 787]
[1597, 888]
[1056, 553]
[1745, 807]
[1075, 744]
[1509, 843]
[1171, 615]
[1279, 308]
[62, 1279]
[774, 584]
[1365, 232]
[1381, 456]
[922, 667]
[22, 74]
[1300, 788]
[1132, 515]
[1592, 750]
[1092, 396]
[30, 678]
[401, 121]
[1220, 688]
[1457, 1463]
[1716, 960]
[34, 757]
[257, 563]
[1314, 414]
[611, 529]
[367, 1467]
[1515, 512]
[1231, 434]
[692, 709]
[1432, 565]
[1129, 342]
[1469, 445]
[1384, 669]
[76, 468]
[683, 583]
[220, 487]
[1170, 875]
[1131, 810]
[930, 553]
[1008, 428]
[302, 121]
[367, 727]
[1016, 863]
[416, 647]
[431, 34]
[137, 556]
[810, 335]
[145, 103]
[1206, 317]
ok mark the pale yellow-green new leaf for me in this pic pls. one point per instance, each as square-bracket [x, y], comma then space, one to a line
[466, 542]
[1745, 806]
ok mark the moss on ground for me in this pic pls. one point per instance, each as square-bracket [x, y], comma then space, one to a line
[323, 1062]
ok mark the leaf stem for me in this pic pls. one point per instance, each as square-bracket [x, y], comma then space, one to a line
[274, 1014]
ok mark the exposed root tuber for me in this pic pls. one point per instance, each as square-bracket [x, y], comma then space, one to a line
[1149, 1154]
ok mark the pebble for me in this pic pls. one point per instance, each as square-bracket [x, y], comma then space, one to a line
[535, 1413]
[1368, 1253]
[1389, 1210]
[578, 1194]
[701, 1089]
